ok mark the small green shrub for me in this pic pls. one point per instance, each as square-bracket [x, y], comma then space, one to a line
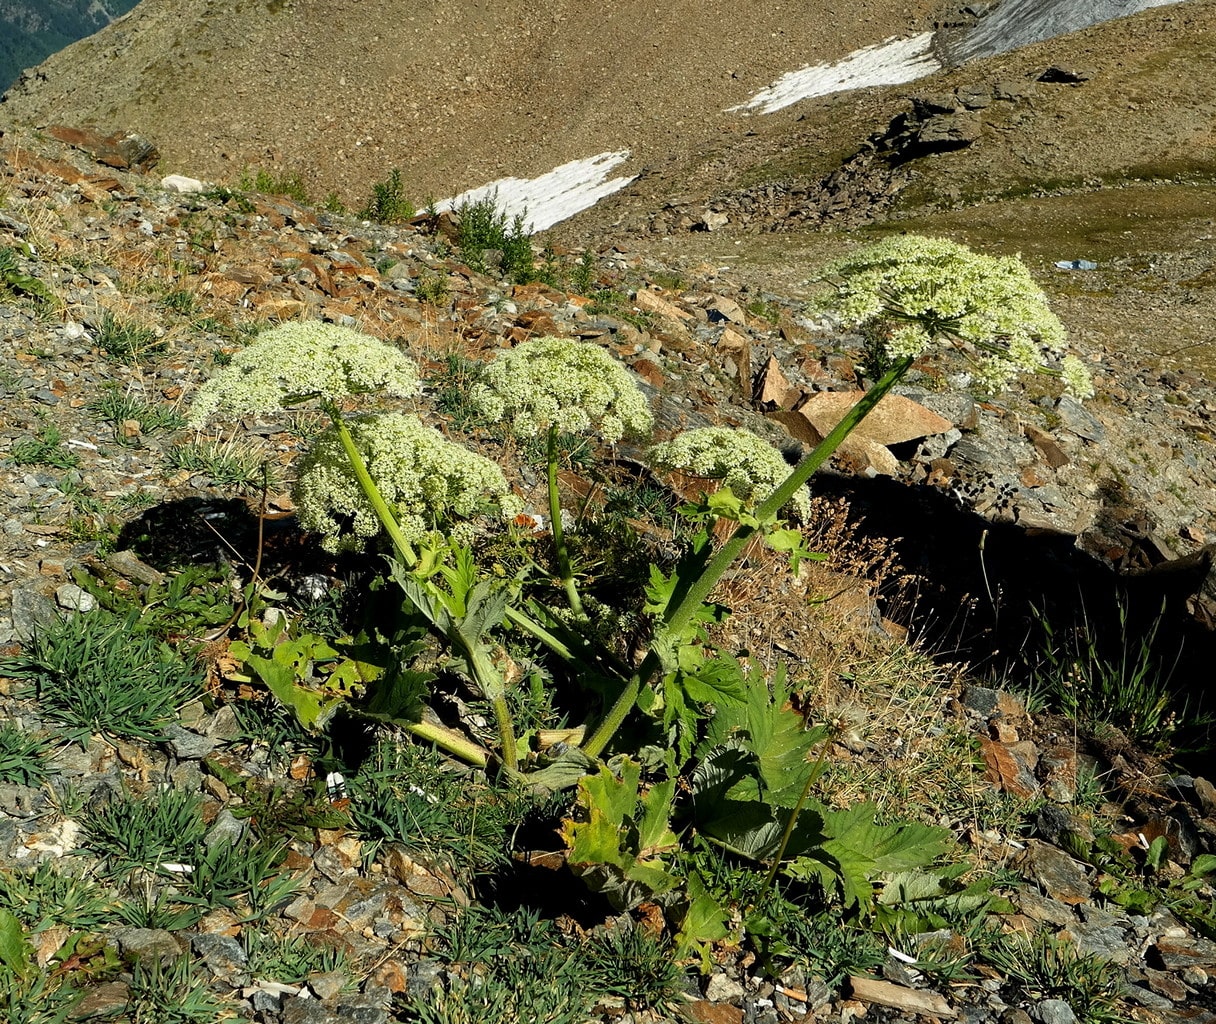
[15, 281]
[388, 203]
[287, 184]
[432, 288]
[116, 408]
[181, 301]
[484, 227]
[172, 994]
[95, 673]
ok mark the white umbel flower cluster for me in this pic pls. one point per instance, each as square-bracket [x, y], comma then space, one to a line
[919, 289]
[428, 481]
[572, 385]
[301, 360]
[750, 466]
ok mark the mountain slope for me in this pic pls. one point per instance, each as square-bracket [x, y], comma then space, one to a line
[32, 30]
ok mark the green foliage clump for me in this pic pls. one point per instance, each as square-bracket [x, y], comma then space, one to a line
[288, 184]
[22, 757]
[125, 339]
[95, 673]
[571, 386]
[296, 361]
[484, 227]
[15, 281]
[750, 466]
[388, 203]
[913, 290]
[428, 481]
[47, 449]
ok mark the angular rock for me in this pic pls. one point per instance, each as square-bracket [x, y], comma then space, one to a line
[1061, 877]
[909, 1000]
[894, 420]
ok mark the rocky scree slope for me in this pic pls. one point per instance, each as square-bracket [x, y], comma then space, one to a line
[111, 246]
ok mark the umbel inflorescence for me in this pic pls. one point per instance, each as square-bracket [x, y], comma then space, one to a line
[565, 384]
[750, 466]
[297, 361]
[915, 291]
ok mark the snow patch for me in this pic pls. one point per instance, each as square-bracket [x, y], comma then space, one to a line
[552, 197]
[888, 63]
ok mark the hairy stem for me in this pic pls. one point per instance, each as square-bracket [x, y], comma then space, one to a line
[559, 535]
[816, 771]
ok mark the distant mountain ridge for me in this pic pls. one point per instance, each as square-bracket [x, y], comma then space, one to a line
[32, 30]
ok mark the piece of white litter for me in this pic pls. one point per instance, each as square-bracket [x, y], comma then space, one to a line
[902, 957]
[889, 63]
[552, 197]
[335, 785]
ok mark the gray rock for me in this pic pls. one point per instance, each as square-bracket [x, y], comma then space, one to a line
[1075, 417]
[226, 830]
[32, 611]
[307, 1011]
[1054, 1011]
[73, 598]
[423, 977]
[188, 746]
[147, 943]
[223, 956]
[721, 988]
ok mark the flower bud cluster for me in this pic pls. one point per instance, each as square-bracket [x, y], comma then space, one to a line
[300, 360]
[424, 478]
[572, 385]
[750, 466]
[918, 289]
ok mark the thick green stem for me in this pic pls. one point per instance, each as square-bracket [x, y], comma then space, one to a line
[379, 505]
[678, 617]
[489, 680]
[537, 631]
[559, 535]
[451, 742]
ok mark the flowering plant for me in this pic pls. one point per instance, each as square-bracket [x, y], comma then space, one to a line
[750, 466]
[424, 478]
[560, 385]
[298, 361]
[916, 289]
[563, 385]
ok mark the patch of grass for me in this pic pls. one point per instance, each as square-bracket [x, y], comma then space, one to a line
[181, 301]
[1045, 967]
[162, 828]
[332, 204]
[451, 385]
[22, 757]
[242, 876]
[47, 449]
[127, 340]
[46, 896]
[116, 408]
[228, 464]
[1128, 688]
[34, 998]
[639, 967]
[96, 673]
[388, 203]
[518, 967]
[172, 994]
[268, 183]
[154, 907]
[289, 959]
[610, 302]
[408, 794]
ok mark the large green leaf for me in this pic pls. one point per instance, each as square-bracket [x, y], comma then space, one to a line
[14, 950]
[776, 734]
[618, 845]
